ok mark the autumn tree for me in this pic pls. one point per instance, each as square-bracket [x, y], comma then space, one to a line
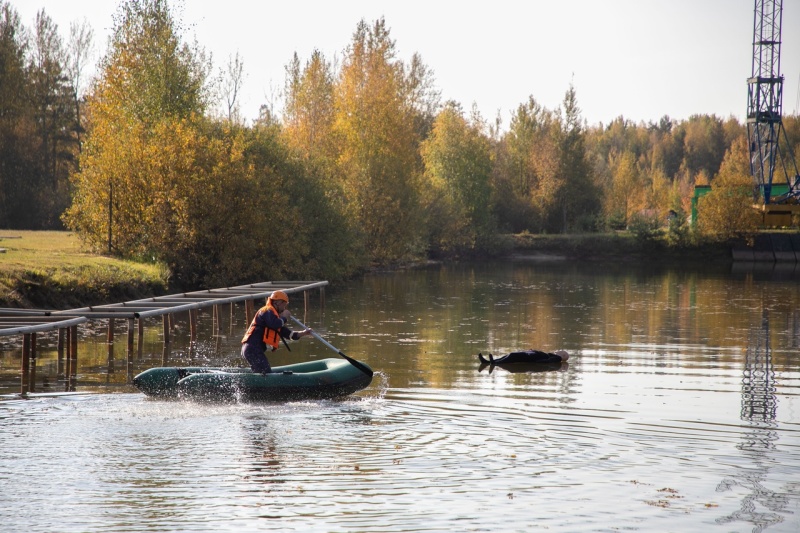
[624, 196]
[704, 144]
[578, 199]
[727, 211]
[528, 178]
[334, 238]
[665, 147]
[458, 166]
[210, 198]
[378, 147]
[309, 109]
[791, 125]
[150, 87]
[420, 91]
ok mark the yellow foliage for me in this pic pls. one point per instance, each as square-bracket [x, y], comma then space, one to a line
[378, 146]
[626, 195]
[727, 211]
[457, 170]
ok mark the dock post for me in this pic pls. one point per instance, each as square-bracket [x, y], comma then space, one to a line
[230, 320]
[165, 319]
[129, 364]
[305, 302]
[249, 312]
[68, 358]
[216, 327]
[140, 339]
[73, 358]
[32, 369]
[165, 354]
[110, 344]
[60, 351]
[192, 326]
[26, 353]
[215, 321]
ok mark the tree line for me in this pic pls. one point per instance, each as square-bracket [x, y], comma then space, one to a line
[364, 165]
[40, 118]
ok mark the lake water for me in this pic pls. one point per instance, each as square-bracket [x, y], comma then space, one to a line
[679, 410]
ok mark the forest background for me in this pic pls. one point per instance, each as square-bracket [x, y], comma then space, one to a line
[364, 166]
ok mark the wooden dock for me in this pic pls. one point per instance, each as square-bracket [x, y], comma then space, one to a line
[29, 322]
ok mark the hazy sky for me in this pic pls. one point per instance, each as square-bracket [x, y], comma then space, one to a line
[641, 59]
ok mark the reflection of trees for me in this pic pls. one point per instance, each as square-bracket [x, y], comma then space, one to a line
[759, 409]
[435, 320]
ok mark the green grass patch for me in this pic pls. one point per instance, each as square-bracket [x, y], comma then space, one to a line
[51, 269]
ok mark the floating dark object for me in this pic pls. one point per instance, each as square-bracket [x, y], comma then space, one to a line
[525, 361]
[527, 356]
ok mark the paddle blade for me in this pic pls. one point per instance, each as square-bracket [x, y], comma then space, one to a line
[359, 365]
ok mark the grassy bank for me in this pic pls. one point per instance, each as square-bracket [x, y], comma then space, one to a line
[51, 270]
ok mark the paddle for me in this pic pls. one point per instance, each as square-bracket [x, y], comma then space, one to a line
[361, 366]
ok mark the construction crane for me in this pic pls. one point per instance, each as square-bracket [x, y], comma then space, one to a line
[769, 157]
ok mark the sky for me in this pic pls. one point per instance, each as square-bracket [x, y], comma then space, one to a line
[639, 59]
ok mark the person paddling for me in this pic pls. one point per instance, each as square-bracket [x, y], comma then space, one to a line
[267, 329]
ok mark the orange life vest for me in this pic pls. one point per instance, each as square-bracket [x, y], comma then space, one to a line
[271, 337]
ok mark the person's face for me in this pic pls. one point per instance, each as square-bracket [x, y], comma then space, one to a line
[280, 305]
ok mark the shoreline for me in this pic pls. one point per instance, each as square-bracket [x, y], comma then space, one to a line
[79, 279]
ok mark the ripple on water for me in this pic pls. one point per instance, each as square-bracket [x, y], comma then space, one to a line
[502, 454]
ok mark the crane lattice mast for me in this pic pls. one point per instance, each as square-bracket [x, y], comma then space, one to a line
[764, 109]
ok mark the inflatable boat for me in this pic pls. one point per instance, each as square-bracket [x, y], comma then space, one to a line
[320, 379]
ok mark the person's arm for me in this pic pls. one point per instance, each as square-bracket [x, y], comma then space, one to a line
[271, 321]
[285, 331]
[297, 335]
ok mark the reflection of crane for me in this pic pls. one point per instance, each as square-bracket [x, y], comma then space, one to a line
[761, 505]
[764, 123]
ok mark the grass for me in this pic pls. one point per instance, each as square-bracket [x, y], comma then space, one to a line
[51, 269]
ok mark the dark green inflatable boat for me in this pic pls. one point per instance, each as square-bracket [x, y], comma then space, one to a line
[312, 380]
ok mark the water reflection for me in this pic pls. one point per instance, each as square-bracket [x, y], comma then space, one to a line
[760, 506]
[262, 447]
[676, 412]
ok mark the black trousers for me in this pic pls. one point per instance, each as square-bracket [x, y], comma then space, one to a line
[257, 358]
